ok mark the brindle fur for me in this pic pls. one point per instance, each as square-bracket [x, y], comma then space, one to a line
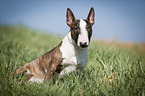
[51, 61]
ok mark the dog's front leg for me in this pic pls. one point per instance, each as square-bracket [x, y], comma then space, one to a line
[50, 71]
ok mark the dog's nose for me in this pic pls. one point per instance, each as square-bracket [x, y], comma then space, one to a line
[83, 44]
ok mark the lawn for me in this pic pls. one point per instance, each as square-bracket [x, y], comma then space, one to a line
[111, 70]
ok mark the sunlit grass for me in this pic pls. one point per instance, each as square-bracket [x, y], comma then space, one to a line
[110, 70]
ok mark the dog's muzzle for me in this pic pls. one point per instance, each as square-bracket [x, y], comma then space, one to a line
[83, 45]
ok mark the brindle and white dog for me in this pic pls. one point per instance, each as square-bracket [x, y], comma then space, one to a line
[71, 53]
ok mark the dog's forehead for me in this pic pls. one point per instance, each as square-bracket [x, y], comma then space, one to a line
[83, 23]
[76, 23]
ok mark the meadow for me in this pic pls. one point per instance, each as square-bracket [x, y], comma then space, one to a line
[111, 70]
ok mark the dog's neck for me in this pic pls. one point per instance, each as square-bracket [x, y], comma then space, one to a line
[71, 52]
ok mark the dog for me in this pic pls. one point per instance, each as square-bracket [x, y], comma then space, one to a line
[71, 54]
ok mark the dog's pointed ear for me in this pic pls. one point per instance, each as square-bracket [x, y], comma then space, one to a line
[70, 17]
[91, 16]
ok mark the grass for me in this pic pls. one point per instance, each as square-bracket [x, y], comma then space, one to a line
[111, 71]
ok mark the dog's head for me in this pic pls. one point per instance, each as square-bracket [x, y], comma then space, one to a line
[81, 29]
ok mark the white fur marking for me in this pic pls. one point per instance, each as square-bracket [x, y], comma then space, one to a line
[36, 79]
[45, 71]
[83, 36]
[73, 56]
[28, 71]
[68, 70]
[68, 51]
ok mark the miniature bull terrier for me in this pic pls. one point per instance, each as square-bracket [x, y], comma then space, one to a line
[69, 55]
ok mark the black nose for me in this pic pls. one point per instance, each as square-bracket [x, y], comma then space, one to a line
[83, 45]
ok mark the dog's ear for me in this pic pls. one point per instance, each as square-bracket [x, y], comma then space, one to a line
[91, 16]
[70, 17]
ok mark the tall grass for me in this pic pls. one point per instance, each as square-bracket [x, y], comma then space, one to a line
[111, 71]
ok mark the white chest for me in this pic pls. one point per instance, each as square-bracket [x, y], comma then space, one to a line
[73, 57]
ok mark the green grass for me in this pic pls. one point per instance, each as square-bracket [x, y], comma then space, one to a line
[111, 71]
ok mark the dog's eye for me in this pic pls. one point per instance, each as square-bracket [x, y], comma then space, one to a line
[75, 28]
[88, 27]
